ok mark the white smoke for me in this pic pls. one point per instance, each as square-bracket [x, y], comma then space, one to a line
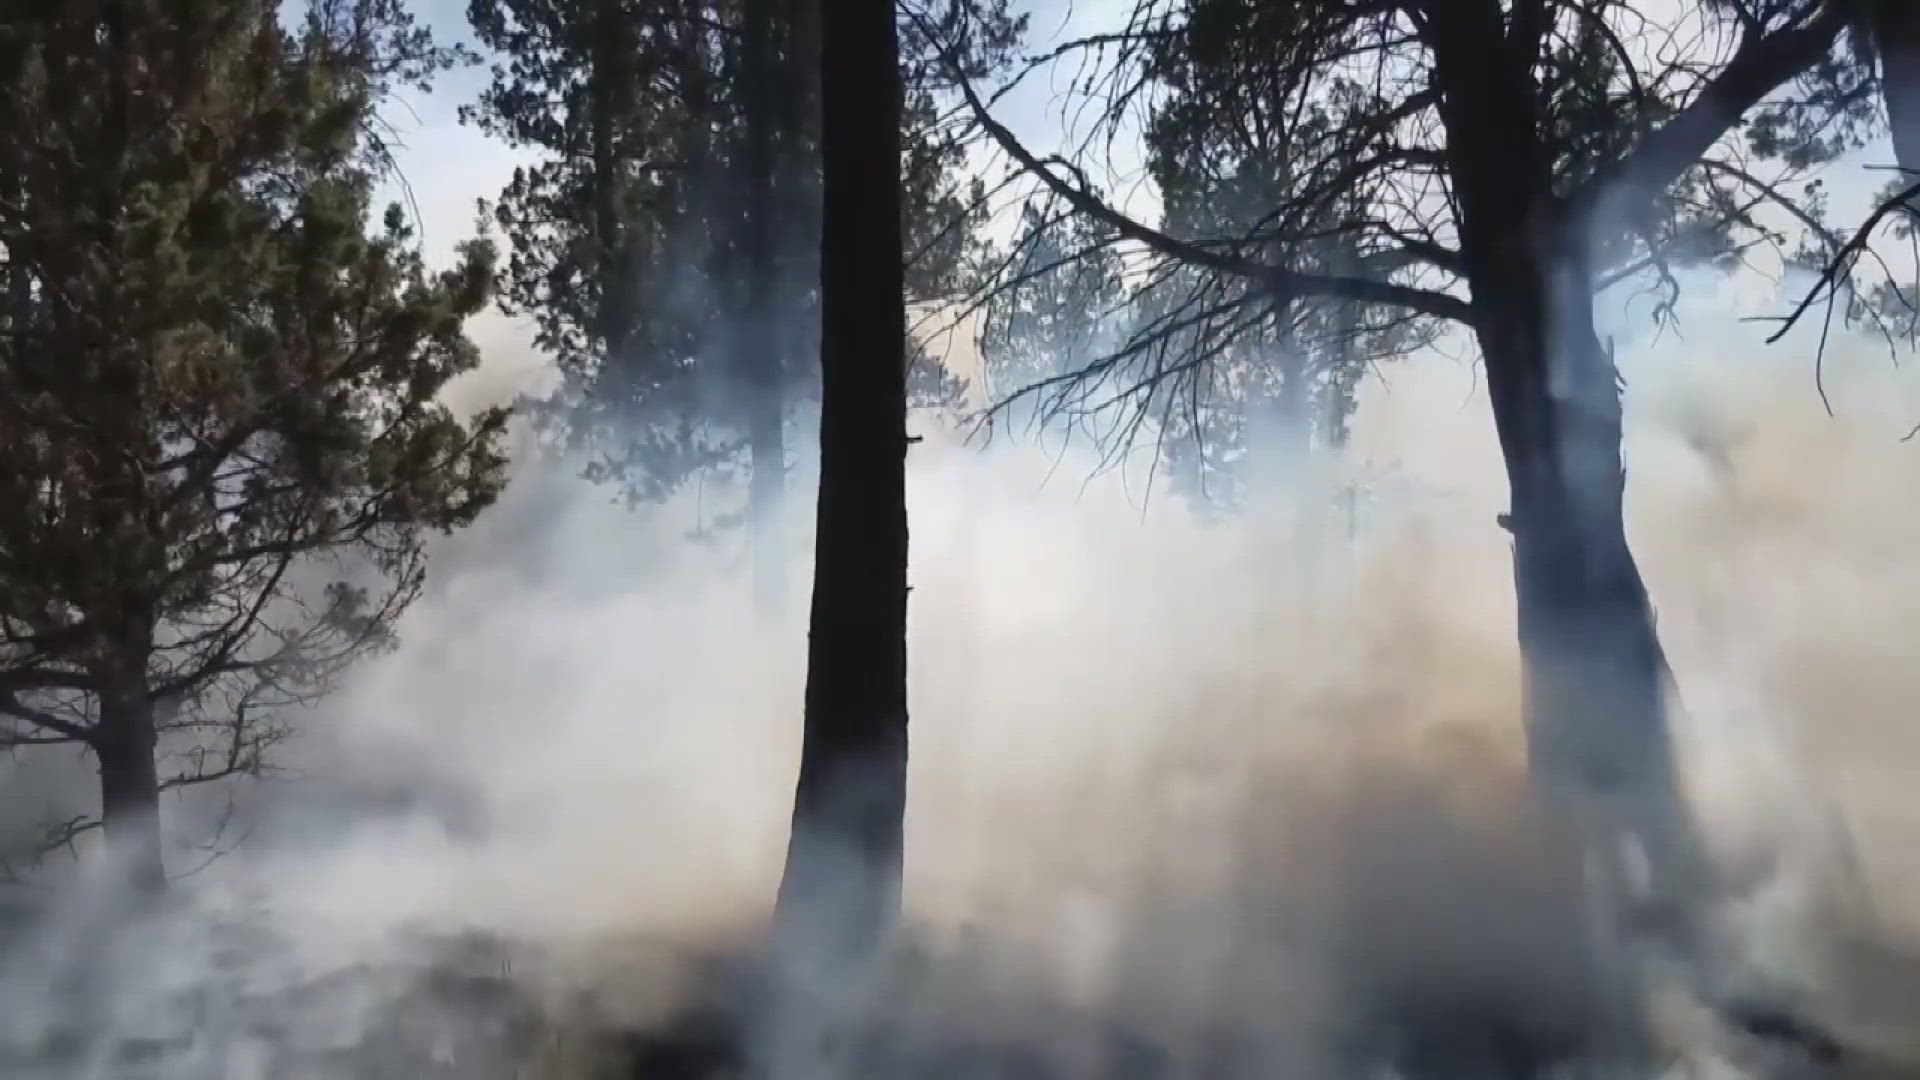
[1209, 790]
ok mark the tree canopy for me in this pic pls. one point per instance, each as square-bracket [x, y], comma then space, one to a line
[219, 376]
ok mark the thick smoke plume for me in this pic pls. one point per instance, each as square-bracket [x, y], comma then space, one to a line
[1191, 794]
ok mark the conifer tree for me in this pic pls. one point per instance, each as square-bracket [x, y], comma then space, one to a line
[218, 379]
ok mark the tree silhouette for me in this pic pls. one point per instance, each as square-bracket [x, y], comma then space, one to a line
[840, 893]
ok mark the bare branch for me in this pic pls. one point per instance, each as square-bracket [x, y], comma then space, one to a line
[67, 731]
[1279, 279]
[1837, 268]
[1760, 65]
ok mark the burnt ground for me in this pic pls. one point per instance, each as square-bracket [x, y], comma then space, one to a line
[453, 1007]
[1431, 1036]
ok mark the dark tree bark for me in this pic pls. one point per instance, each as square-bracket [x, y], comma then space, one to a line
[1895, 26]
[124, 743]
[1596, 679]
[1597, 683]
[610, 96]
[841, 887]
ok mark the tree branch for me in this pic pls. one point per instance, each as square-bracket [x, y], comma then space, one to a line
[1760, 66]
[1831, 276]
[66, 729]
[1281, 280]
[28, 679]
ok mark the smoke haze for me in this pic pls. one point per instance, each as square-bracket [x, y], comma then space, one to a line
[1247, 789]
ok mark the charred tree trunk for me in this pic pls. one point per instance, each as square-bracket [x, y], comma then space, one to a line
[1599, 738]
[840, 892]
[611, 101]
[759, 355]
[1596, 683]
[1895, 27]
[124, 742]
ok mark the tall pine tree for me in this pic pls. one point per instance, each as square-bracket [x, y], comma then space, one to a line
[211, 375]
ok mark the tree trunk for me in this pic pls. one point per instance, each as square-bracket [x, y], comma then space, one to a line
[124, 743]
[1596, 686]
[759, 353]
[840, 893]
[1896, 33]
[1599, 744]
[611, 104]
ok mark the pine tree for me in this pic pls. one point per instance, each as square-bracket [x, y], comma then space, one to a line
[1058, 307]
[215, 382]
[662, 244]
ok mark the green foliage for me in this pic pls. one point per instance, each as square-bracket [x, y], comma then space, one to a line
[212, 374]
[631, 236]
[1832, 107]
[1225, 147]
[1247, 120]
[1055, 307]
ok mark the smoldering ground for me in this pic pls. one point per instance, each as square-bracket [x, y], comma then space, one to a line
[1191, 794]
